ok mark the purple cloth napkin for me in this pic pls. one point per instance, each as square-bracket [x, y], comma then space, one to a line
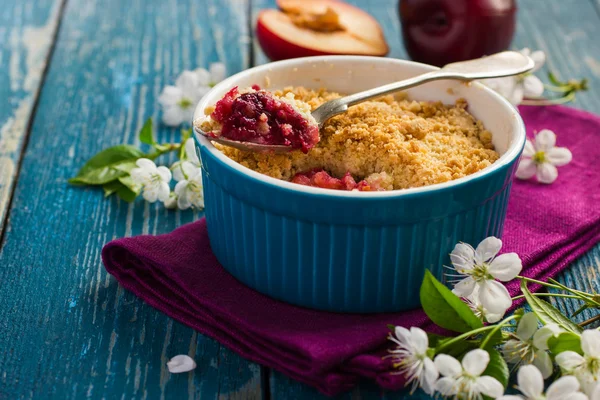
[548, 226]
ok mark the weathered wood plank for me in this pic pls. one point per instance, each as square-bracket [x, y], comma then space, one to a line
[27, 30]
[68, 330]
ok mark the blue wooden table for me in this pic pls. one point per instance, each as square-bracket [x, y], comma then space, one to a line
[77, 76]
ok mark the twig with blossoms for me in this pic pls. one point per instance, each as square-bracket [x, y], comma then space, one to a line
[534, 343]
[527, 89]
[127, 171]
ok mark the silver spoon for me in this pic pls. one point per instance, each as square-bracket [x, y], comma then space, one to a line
[497, 65]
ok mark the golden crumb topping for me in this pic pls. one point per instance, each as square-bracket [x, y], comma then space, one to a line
[396, 141]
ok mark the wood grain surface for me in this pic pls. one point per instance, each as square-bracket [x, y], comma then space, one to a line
[67, 329]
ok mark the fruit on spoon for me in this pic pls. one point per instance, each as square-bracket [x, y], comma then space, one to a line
[303, 28]
[439, 32]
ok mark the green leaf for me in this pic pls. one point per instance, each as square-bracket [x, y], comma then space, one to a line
[495, 337]
[566, 341]
[111, 187]
[104, 166]
[547, 313]
[147, 133]
[444, 308]
[126, 194]
[497, 367]
[128, 182]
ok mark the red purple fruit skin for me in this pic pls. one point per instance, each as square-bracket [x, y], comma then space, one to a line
[439, 32]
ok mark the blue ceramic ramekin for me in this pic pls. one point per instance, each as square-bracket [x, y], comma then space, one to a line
[353, 251]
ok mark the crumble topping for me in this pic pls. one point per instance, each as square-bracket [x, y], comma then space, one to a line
[390, 142]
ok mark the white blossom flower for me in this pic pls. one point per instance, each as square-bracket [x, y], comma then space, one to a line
[181, 363]
[154, 180]
[171, 202]
[479, 310]
[411, 358]
[191, 161]
[479, 269]
[531, 384]
[179, 101]
[585, 368]
[542, 158]
[595, 393]
[530, 344]
[527, 85]
[208, 79]
[189, 192]
[464, 381]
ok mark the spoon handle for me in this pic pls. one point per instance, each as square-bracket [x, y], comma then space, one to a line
[498, 65]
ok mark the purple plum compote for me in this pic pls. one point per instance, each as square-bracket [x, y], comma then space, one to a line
[258, 116]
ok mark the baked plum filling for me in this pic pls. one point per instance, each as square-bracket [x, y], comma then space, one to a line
[259, 117]
[320, 178]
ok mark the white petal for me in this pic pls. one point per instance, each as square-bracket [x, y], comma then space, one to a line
[176, 170]
[516, 97]
[448, 366]
[559, 156]
[446, 386]
[574, 396]
[527, 326]
[545, 140]
[403, 336]
[562, 387]
[190, 151]
[494, 296]
[526, 169]
[510, 397]
[203, 76]
[543, 362]
[146, 164]
[539, 58]
[532, 86]
[475, 362]
[181, 363]
[183, 202]
[546, 173]
[510, 351]
[164, 173]
[180, 187]
[492, 318]
[525, 51]
[568, 360]
[489, 386]
[217, 72]
[540, 338]
[430, 375]
[595, 394]
[528, 150]
[419, 340]
[187, 82]
[462, 257]
[139, 175]
[506, 267]
[487, 249]
[465, 287]
[150, 193]
[163, 191]
[170, 96]
[174, 116]
[190, 170]
[587, 381]
[530, 380]
[590, 343]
